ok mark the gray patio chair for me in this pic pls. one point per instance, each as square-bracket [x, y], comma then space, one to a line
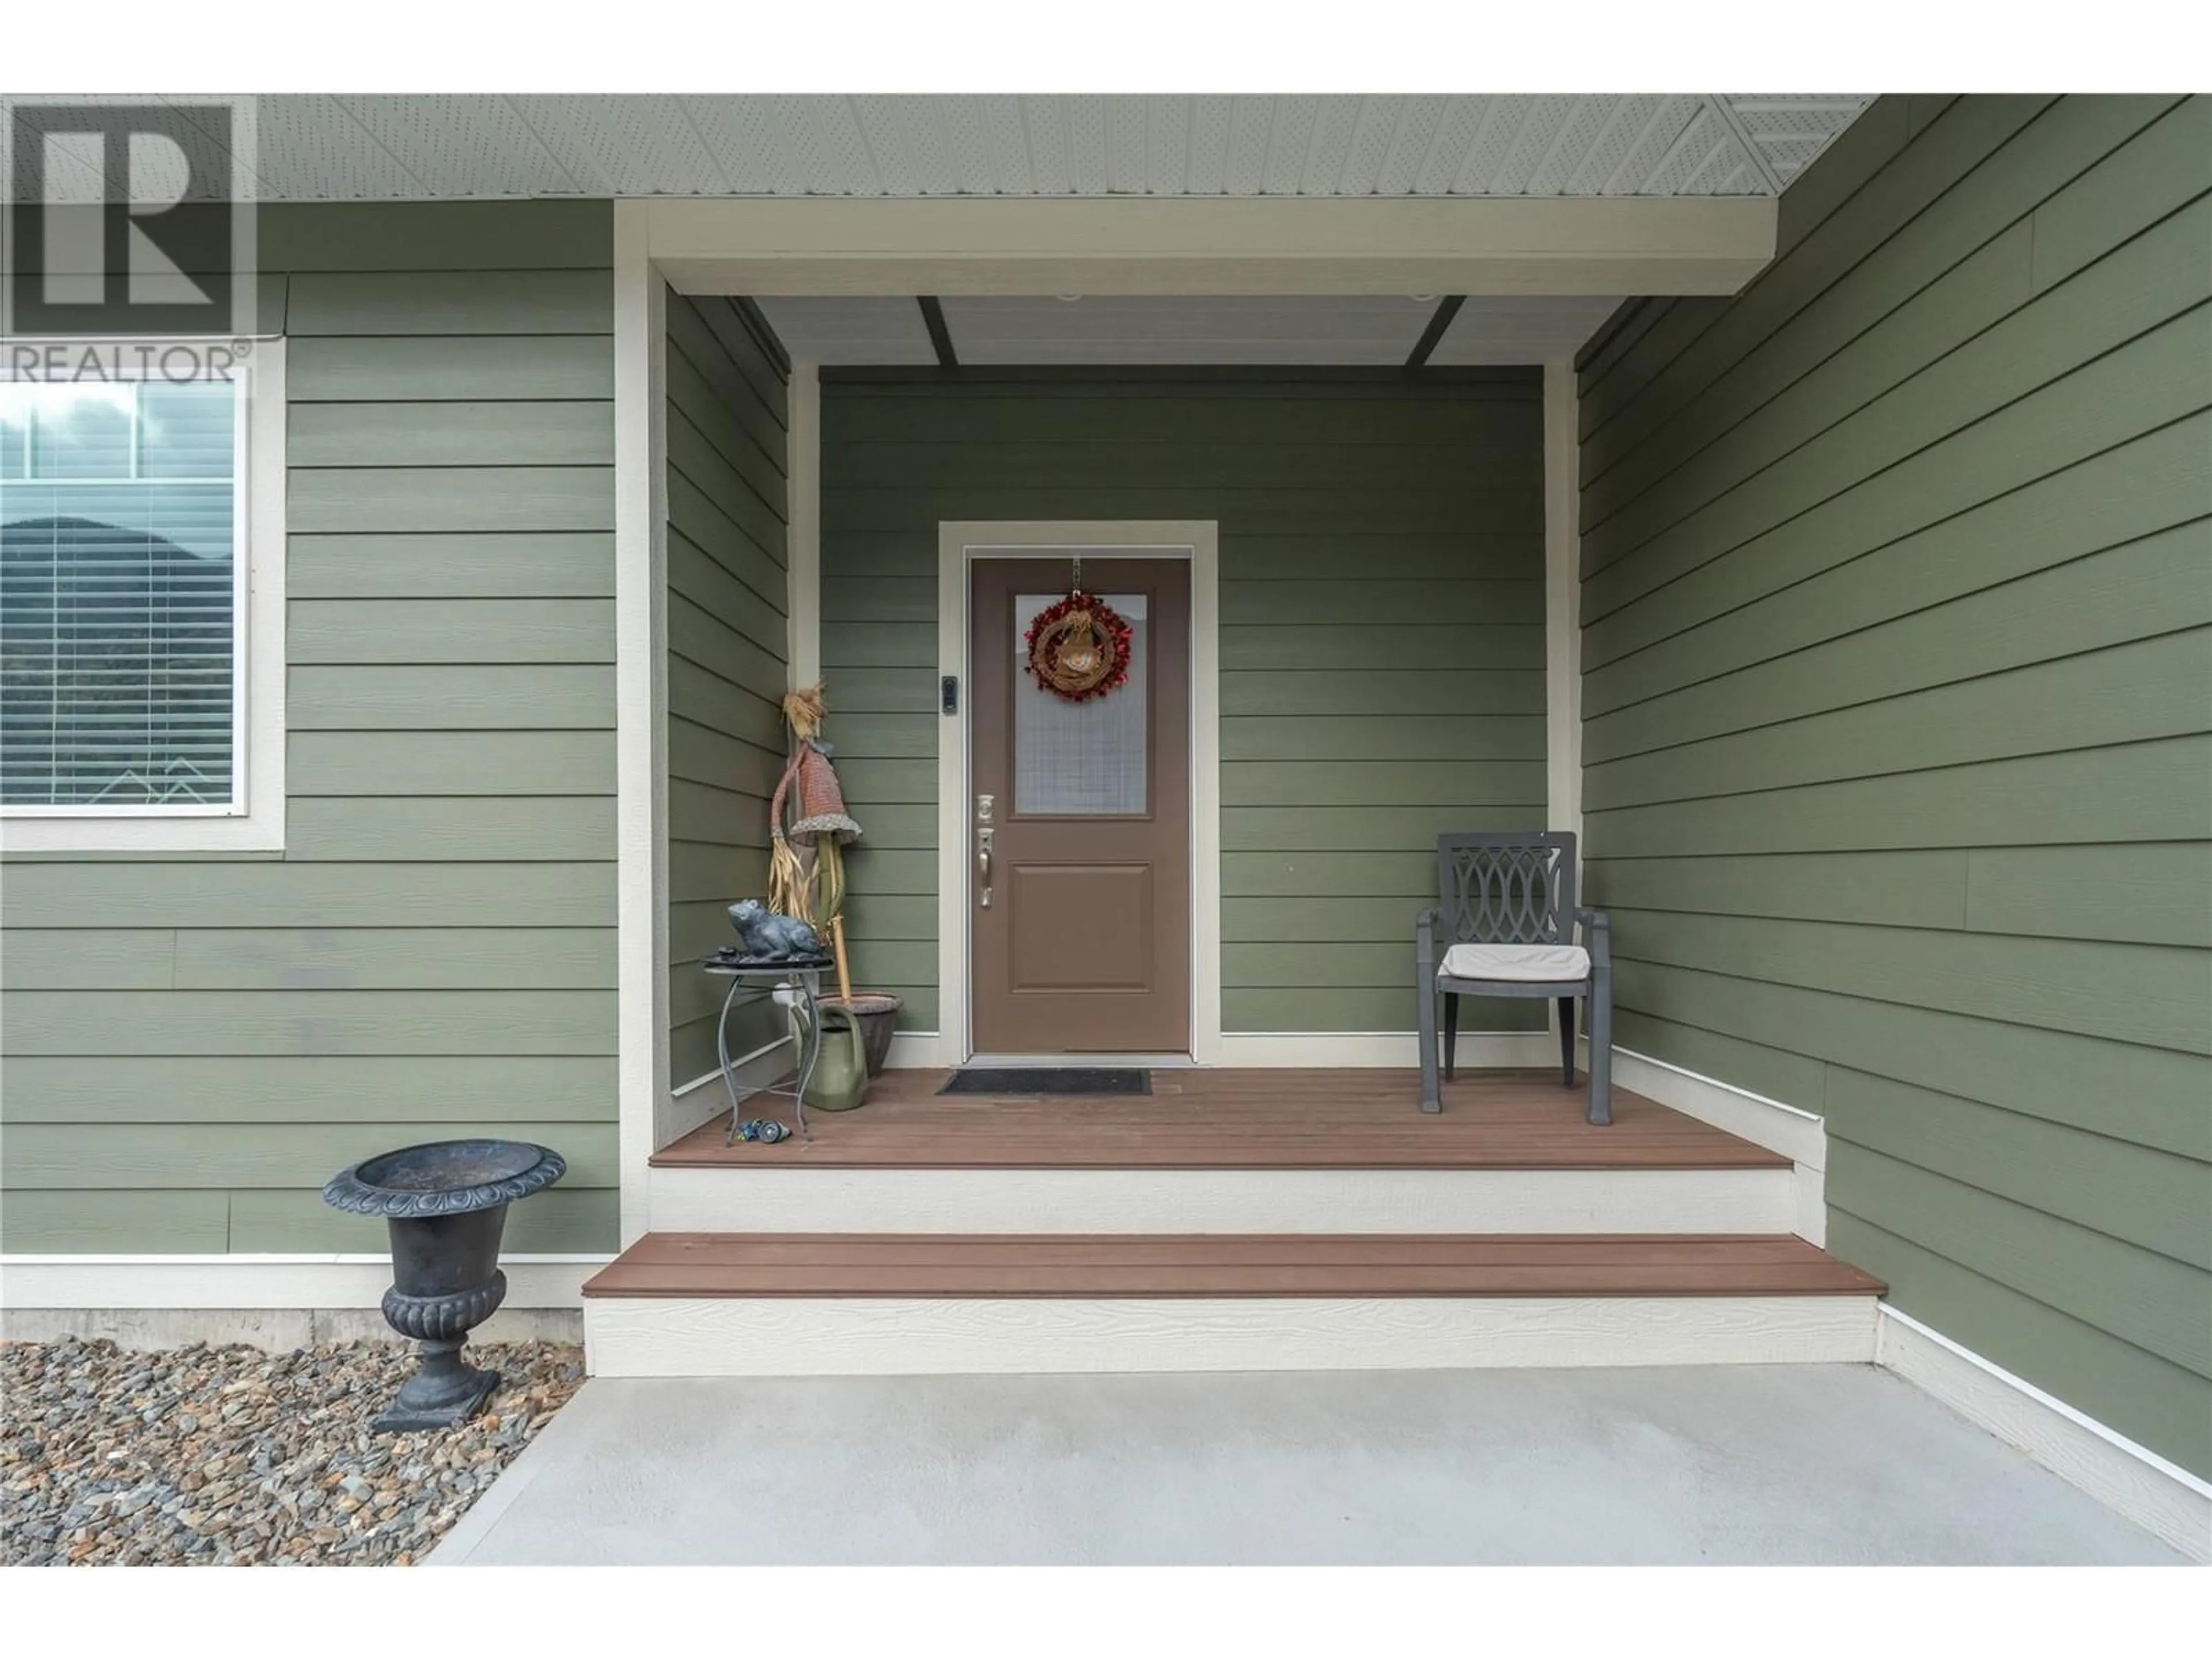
[1507, 909]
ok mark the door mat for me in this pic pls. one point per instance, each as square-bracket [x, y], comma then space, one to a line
[1049, 1080]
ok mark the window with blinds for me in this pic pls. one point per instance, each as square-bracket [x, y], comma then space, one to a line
[119, 596]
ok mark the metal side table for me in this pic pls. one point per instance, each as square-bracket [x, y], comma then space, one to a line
[804, 977]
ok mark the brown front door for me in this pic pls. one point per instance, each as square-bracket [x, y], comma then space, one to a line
[1081, 913]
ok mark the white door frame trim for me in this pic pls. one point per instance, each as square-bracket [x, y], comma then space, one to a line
[960, 543]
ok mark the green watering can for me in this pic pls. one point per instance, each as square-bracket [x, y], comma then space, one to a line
[841, 1072]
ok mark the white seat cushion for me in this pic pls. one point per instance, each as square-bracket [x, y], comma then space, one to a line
[1535, 963]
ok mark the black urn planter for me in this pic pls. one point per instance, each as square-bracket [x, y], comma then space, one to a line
[445, 1205]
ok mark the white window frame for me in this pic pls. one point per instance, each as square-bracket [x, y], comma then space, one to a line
[254, 820]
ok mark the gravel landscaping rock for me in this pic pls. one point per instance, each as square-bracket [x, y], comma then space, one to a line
[232, 1457]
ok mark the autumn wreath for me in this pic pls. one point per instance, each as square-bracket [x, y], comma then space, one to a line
[1079, 647]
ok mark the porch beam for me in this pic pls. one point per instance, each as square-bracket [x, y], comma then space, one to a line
[1177, 245]
[1439, 324]
[940, 337]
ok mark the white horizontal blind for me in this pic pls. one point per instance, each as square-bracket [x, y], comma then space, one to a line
[119, 608]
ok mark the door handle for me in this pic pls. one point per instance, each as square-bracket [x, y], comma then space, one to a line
[983, 868]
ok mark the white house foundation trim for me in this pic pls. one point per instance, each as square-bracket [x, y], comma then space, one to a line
[273, 1303]
[787, 1336]
[2159, 1496]
[1063, 1200]
[258, 1281]
[1799, 1135]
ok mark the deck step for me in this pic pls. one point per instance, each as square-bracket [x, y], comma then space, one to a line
[796, 1197]
[798, 1304]
[1232, 1152]
[1237, 1119]
[1224, 1264]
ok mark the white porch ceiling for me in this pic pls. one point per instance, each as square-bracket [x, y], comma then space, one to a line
[1274, 330]
[358, 148]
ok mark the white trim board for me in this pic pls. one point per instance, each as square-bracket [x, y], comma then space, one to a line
[795, 1336]
[766, 1198]
[913, 1051]
[960, 543]
[1799, 1135]
[641, 345]
[922, 1051]
[802, 529]
[703, 1099]
[1213, 245]
[747, 1067]
[2159, 1496]
[1563, 634]
[1322, 1051]
[309, 1280]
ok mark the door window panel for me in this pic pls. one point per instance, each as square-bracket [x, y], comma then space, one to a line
[1082, 759]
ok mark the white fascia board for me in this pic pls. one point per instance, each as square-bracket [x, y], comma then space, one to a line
[1185, 245]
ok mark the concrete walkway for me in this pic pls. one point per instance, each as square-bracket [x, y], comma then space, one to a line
[1796, 1464]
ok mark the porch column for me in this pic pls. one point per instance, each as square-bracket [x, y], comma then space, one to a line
[1563, 637]
[641, 703]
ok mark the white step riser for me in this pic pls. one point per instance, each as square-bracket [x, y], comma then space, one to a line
[804, 1336]
[1223, 1200]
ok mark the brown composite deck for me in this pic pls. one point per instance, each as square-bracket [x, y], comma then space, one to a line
[1216, 1264]
[1276, 1120]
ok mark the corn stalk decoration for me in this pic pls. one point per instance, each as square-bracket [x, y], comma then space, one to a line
[806, 858]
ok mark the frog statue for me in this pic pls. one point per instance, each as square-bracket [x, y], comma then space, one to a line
[770, 937]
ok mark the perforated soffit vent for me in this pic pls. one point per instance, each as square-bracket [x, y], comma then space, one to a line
[413, 148]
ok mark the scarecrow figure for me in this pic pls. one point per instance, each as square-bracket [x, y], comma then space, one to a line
[807, 862]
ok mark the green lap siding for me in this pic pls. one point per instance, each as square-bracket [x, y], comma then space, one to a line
[1381, 639]
[728, 506]
[190, 1045]
[1897, 605]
